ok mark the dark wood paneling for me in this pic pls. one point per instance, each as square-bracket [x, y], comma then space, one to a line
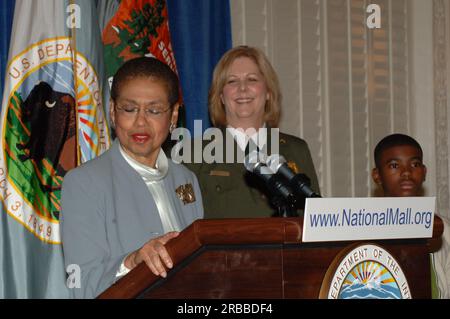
[260, 258]
[247, 273]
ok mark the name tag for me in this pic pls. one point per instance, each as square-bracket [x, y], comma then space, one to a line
[219, 173]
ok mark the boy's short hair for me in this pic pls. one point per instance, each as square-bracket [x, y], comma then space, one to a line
[391, 141]
[147, 67]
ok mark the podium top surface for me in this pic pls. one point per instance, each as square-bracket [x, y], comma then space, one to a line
[254, 231]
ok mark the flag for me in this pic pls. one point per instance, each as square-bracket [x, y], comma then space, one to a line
[201, 34]
[190, 36]
[52, 120]
[136, 28]
[6, 10]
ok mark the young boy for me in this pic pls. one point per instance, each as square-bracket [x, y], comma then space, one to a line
[400, 171]
[399, 168]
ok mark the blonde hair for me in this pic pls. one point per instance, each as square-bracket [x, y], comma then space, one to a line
[273, 105]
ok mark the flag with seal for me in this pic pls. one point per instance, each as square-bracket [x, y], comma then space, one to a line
[52, 120]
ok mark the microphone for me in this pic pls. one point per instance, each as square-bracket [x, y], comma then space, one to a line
[299, 182]
[255, 163]
[255, 159]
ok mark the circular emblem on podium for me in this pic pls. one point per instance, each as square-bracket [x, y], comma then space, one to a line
[365, 272]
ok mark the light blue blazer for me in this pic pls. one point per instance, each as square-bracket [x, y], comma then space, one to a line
[107, 212]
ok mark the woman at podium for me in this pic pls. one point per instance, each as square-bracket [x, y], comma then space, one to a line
[121, 208]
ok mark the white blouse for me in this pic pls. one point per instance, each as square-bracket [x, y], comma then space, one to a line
[153, 178]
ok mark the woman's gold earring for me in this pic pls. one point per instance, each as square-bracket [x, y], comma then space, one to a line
[172, 127]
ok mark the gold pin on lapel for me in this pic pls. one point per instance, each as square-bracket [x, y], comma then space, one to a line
[219, 173]
[293, 167]
[186, 193]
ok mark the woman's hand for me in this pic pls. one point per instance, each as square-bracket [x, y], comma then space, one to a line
[154, 254]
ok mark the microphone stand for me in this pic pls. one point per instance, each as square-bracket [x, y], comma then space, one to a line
[284, 207]
[283, 198]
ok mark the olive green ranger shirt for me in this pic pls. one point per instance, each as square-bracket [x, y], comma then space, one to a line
[230, 191]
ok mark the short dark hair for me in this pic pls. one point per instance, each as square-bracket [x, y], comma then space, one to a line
[147, 67]
[391, 141]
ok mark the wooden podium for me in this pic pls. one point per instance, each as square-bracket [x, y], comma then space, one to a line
[261, 258]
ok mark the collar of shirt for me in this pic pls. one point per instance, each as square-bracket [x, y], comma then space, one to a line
[153, 178]
[241, 138]
[148, 173]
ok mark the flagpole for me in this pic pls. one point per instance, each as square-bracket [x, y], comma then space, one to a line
[73, 43]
